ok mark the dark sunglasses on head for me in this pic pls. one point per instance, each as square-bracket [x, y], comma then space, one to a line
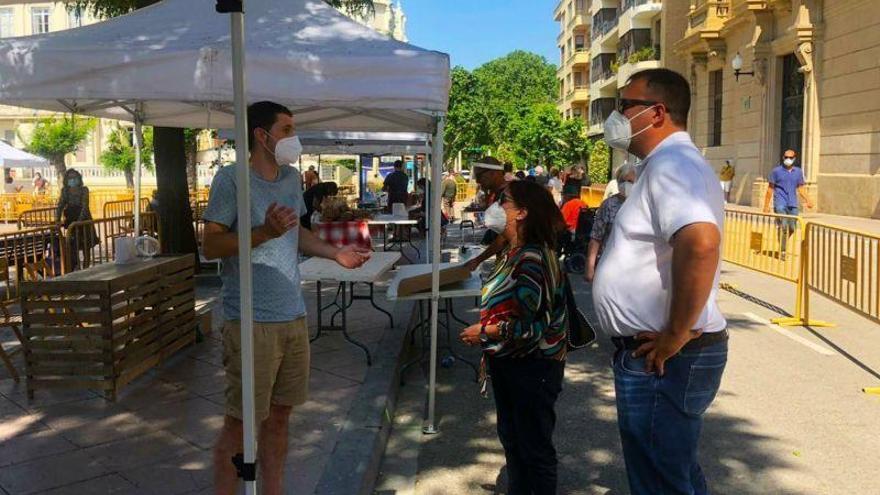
[624, 104]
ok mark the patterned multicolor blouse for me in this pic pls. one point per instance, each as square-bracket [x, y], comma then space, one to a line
[525, 295]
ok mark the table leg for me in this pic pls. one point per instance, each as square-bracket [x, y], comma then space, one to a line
[450, 313]
[373, 302]
[345, 329]
[421, 325]
[320, 310]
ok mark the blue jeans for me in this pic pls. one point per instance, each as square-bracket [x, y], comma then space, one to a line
[660, 418]
[787, 226]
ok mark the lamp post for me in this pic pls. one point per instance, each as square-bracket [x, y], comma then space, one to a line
[737, 64]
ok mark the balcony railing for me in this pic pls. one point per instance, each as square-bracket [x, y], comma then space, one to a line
[600, 109]
[600, 67]
[636, 44]
[628, 4]
[604, 21]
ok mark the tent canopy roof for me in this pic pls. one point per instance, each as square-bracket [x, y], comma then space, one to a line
[357, 143]
[12, 157]
[171, 63]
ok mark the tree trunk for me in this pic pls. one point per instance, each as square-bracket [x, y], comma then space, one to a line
[60, 169]
[175, 214]
[129, 179]
[191, 166]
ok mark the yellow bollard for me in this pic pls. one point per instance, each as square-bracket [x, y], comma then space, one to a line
[871, 390]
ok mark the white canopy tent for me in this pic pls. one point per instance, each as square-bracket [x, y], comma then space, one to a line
[361, 143]
[178, 64]
[12, 157]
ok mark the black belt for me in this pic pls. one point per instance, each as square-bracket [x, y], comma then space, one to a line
[704, 340]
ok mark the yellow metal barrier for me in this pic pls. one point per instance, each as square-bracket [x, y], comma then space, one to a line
[92, 242]
[842, 265]
[123, 207]
[38, 249]
[37, 217]
[466, 191]
[592, 196]
[764, 242]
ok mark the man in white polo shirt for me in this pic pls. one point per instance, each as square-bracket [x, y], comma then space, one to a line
[655, 288]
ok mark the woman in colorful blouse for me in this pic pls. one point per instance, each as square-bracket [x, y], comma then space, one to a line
[522, 332]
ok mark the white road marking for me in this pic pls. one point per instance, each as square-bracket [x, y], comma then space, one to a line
[788, 333]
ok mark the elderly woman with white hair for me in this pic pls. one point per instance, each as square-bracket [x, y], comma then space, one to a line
[625, 177]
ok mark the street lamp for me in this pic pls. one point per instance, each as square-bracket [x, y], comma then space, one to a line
[737, 64]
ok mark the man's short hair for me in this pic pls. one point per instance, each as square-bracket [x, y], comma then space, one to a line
[263, 114]
[671, 89]
[398, 164]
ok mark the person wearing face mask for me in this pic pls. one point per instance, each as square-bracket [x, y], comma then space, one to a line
[522, 333]
[655, 288]
[281, 336]
[604, 219]
[785, 184]
[313, 197]
[73, 206]
[491, 177]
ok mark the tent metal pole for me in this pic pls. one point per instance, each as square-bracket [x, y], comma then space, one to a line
[248, 468]
[138, 166]
[436, 165]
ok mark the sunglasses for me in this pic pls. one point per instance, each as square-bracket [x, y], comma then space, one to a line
[624, 104]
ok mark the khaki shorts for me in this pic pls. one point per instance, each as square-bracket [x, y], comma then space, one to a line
[281, 365]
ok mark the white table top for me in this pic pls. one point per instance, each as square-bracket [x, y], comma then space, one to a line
[471, 287]
[322, 269]
[391, 220]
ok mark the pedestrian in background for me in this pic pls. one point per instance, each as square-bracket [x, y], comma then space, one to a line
[655, 289]
[785, 184]
[728, 172]
[575, 180]
[604, 219]
[396, 185]
[522, 332]
[448, 191]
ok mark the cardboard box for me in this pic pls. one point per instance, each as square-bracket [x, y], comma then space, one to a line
[422, 283]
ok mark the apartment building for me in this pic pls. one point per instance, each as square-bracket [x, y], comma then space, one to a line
[771, 75]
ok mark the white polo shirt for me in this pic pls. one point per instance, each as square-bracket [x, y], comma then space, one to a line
[632, 289]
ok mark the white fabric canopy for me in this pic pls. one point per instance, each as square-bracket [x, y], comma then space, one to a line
[362, 143]
[175, 57]
[12, 157]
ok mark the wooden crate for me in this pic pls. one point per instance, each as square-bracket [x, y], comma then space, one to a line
[102, 327]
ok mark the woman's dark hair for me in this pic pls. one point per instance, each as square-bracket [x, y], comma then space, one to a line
[325, 189]
[71, 174]
[544, 220]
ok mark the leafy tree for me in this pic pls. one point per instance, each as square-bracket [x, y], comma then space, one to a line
[120, 153]
[170, 143]
[54, 138]
[600, 163]
[466, 122]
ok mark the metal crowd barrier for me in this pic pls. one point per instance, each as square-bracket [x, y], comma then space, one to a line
[38, 251]
[91, 242]
[38, 217]
[764, 242]
[123, 207]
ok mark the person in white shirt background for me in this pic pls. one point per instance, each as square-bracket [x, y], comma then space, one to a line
[655, 288]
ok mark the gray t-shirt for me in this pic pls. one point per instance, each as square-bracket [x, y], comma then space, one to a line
[277, 292]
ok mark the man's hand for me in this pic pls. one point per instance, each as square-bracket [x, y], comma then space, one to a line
[471, 335]
[352, 257]
[662, 346]
[279, 220]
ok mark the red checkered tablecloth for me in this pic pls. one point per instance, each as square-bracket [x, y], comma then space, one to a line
[345, 233]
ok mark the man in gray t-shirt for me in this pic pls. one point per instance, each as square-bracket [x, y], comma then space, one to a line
[281, 337]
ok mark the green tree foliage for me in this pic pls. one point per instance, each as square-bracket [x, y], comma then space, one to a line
[120, 153]
[600, 162]
[53, 138]
[507, 106]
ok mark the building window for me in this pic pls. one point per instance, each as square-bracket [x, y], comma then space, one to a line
[579, 42]
[39, 20]
[716, 92]
[74, 18]
[6, 26]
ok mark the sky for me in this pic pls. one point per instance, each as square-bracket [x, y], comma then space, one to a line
[474, 32]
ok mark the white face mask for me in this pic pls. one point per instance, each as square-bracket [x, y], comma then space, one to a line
[495, 218]
[287, 150]
[626, 188]
[618, 129]
[788, 162]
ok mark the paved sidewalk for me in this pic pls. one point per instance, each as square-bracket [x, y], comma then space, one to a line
[157, 437]
[790, 417]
